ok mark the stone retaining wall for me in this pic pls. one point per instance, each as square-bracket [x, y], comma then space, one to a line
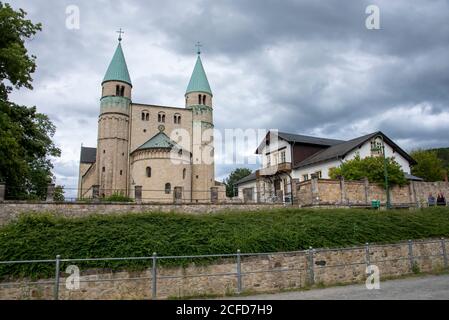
[10, 210]
[317, 192]
[263, 273]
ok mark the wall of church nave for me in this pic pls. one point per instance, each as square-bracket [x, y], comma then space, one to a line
[143, 130]
[87, 178]
[155, 180]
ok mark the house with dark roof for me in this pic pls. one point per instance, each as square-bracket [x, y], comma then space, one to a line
[287, 157]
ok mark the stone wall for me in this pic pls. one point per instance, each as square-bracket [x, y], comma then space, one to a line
[10, 210]
[260, 273]
[326, 192]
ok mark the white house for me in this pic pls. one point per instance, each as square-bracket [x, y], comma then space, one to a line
[288, 156]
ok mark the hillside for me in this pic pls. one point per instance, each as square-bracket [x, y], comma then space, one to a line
[443, 154]
[45, 236]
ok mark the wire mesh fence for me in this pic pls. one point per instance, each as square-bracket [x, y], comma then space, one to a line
[242, 270]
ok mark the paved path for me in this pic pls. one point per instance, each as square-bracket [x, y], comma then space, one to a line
[422, 288]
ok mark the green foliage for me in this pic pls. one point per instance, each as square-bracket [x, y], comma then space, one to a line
[15, 63]
[429, 166]
[132, 235]
[25, 135]
[59, 194]
[117, 197]
[372, 168]
[235, 176]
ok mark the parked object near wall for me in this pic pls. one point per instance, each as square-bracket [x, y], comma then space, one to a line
[234, 273]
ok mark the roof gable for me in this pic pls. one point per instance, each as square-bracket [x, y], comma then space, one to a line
[159, 141]
[339, 151]
[298, 138]
[88, 155]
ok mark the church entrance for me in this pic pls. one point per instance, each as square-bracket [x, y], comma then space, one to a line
[177, 194]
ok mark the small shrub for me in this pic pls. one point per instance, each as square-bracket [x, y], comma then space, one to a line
[117, 197]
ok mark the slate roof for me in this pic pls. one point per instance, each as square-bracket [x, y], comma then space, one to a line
[339, 150]
[248, 178]
[159, 141]
[299, 138]
[308, 139]
[88, 155]
[409, 176]
[118, 70]
[198, 81]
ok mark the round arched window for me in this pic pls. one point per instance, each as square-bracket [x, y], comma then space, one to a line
[149, 172]
[167, 188]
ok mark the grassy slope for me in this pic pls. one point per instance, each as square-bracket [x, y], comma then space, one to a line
[42, 237]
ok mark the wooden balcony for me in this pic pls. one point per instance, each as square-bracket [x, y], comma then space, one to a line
[284, 167]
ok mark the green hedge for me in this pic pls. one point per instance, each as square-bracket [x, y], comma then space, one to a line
[45, 236]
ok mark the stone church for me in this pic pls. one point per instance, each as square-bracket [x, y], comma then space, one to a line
[158, 153]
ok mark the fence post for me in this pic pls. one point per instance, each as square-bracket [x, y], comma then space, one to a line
[154, 277]
[443, 247]
[367, 255]
[310, 265]
[138, 194]
[2, 191]
[239, 272]
[56, 288]
[50, 192]
[410, 254]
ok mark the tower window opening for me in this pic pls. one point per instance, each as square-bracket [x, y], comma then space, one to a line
[177, 118]
[199, 99]
[147, 117]
[184, 173]
[161, 117]
[121, 172]
[143, 116]
[117, 90]
[122, 91]
[167, 188]
[204, 99]
[103, 169]
[149, 172]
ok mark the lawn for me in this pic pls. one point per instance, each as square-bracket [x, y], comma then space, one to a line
[45, 236]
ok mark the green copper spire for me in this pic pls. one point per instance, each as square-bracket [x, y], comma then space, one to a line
[198, 81]
[118, 70]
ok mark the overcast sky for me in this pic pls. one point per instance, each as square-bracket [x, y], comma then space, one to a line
[308, 67]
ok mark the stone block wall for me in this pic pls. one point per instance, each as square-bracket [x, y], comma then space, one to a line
[10, 210]
[340, 192]
[260, 273]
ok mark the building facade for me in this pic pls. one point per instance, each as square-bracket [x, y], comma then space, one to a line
[289, 159]
[166, 152]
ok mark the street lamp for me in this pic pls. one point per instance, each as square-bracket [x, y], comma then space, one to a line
[388, 206]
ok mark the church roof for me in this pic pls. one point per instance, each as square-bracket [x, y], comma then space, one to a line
[159, 141]
[88, 155]
[198, 82]
[118, 70]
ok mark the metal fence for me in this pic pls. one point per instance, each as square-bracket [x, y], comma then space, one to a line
[310, 268]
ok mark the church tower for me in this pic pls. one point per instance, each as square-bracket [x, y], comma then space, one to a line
[114, 126]
[199, 99]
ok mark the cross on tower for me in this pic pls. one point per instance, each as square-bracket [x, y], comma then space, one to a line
[120, 32]
[198, 47]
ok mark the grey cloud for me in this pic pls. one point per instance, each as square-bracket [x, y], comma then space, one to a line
[308, 67]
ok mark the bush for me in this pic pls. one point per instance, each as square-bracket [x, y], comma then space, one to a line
[131, 235]
[117, 197]
[372, 168]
